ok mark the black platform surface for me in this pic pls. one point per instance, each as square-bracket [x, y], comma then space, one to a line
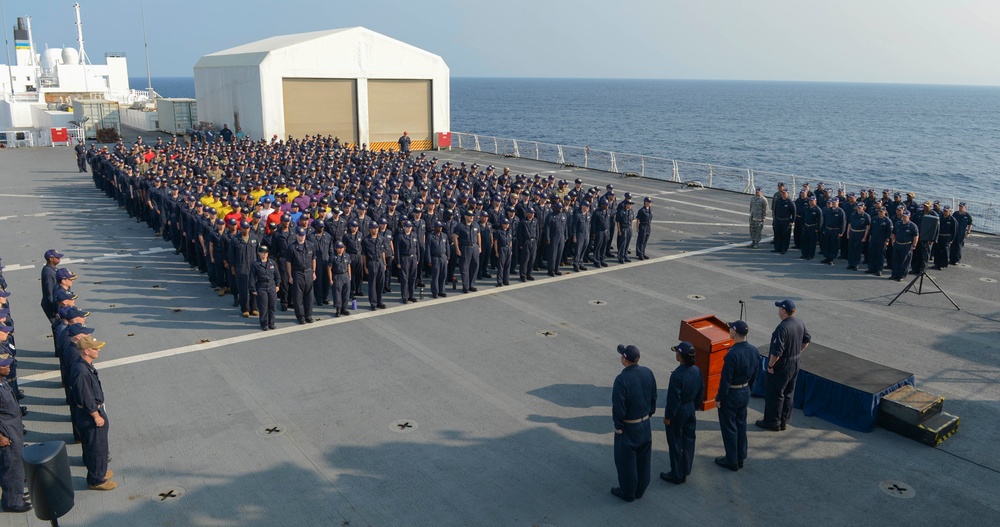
[850, 370]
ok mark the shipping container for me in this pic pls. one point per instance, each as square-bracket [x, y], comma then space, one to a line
[177, 115]
[99, 118]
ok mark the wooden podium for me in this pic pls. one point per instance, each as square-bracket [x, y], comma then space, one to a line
[710, 337]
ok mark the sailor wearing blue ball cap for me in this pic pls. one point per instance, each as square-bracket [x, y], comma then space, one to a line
[633, 402]
[644, 223]
[788, 341]
[683, 392]
[11, 443]
[242, 255]
[739, 369]
[49, 282]
[300, 266]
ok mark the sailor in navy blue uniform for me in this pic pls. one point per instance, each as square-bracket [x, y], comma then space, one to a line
[858, 230]
[324, 248]
[812, 224]
[408, 257]
[486, 248]
[949, 228]
[928, 224]
[527, 243]
[91, 418]
[644, 226]
[467, 242]
[783, 216]
[373, 260]
[788, 341]
[739, 370]
[878, 239]
[438, 248]
[601, 229]
[340, 268]
[11, 443]
[81, 156]
[503, 241]
[265, 280]
[300, 264]
[556, 230]
[242, 253]
[834, 222]
[352, 241]
[904, 240]
[633, 402]
[49, 282]
[626, 220]
[962, 230]
[684, 391]
[581, 235]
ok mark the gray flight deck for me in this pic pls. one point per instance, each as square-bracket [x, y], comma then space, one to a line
[491, 408]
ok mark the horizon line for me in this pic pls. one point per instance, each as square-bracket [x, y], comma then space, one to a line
[775, 81]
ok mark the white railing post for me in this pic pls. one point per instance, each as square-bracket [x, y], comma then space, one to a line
[750, 186]
[586, 157]
[561, 160]
[496, 147]
[677, 172]
[710, 174]
[614, 164]
[536, 151]
[476, 137]
[642, 163]
[517, 153]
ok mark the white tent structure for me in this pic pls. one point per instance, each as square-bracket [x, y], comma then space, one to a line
[353, 83]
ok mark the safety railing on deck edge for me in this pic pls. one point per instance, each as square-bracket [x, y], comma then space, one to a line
[986, 215]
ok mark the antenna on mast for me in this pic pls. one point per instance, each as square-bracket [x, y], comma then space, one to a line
[145, 43]
[79, 34]
[6, 45]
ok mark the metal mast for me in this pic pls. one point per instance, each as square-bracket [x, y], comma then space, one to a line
[145, 43]
[79, 33]
[6, 46]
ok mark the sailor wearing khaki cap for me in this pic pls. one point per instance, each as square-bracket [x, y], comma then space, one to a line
[91, 418]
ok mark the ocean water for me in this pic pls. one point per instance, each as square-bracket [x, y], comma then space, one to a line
[937, 140]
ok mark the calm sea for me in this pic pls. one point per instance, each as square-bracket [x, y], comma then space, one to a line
[942, 140]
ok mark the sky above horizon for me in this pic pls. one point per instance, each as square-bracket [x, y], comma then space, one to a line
[885, 41]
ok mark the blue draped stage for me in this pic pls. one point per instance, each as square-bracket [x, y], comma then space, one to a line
[838, 387]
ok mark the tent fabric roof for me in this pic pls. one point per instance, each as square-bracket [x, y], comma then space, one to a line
[253, 53]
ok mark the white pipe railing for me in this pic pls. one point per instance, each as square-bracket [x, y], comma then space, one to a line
[986, 215]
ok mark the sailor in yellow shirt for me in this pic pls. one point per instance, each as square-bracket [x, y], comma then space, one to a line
[258, 192]
[223, 210]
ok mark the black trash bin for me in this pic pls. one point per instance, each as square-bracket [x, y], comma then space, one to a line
[50, 484]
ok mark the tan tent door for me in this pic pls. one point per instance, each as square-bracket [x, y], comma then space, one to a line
[397, 106]
[321, 106]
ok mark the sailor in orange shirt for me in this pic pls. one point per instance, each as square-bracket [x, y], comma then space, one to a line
[275, 217]
[236, 213]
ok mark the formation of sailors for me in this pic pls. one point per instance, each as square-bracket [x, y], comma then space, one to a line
[880, 233]
[77, 348]
[310, 222]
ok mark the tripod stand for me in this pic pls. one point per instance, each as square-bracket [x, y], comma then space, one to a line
[920, 289]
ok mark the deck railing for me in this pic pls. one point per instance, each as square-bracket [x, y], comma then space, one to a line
[986, 215]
